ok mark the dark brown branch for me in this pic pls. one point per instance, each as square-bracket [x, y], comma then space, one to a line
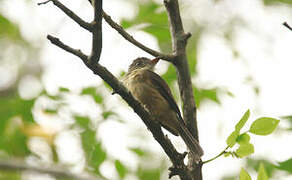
[179, 42]
[60, 44]
[96, 32]
[287, 26]
[13, 165]
[71, 14]
[119, 88]
[45, 2]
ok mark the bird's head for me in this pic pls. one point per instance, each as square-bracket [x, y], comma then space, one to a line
[143, 63]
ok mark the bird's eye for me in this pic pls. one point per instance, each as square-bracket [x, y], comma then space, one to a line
[139, 63]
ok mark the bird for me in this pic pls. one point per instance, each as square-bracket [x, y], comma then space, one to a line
[155, 95]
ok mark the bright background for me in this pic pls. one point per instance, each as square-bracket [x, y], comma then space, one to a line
[243, 55]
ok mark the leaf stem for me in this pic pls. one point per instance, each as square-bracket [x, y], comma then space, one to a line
[220, 154]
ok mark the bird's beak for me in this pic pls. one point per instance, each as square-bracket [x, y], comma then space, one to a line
[155, 60]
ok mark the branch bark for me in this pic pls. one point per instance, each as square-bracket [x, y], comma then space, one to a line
[13, 165]
[287, 26]
[179, 42]
[96, 32]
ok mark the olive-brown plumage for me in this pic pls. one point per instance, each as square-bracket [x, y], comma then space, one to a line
[155, 95]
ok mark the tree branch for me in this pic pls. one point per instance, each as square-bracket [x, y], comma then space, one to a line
[76, 52]
[70, 13]
[287, 26]
[13, 165]
[176, 158]
[179, 42]
[220, 154]
[96, 32]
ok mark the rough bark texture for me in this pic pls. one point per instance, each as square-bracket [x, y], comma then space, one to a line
[179, 42]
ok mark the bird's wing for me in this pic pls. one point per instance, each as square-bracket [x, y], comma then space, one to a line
[164, 90]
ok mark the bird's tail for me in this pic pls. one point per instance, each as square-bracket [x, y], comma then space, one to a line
[190, 141]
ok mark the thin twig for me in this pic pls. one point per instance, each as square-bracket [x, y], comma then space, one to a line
[287, 25]
[13, 165]
[96, 32]
[71, 14]
[220, 154]
[45, 2]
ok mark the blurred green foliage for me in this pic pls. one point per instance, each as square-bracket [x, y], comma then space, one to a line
[262, 174]
[121, 169]
[273, 2]
[285, 165]
[244, 175]
[8, 175]
[95, 155]
[9, 30]
[154, 20]
[17, 119]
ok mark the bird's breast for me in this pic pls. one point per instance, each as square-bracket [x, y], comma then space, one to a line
[142, 88]
[149, 96]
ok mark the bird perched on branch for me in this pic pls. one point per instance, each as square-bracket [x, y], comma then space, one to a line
[155, 95]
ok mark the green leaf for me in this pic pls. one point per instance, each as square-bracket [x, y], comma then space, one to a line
[10, 175]
[204, 94]
[107, 114]
[273, 2]
[262, 175]
[243, 139]
[231, 140]
[121, 169]
[264, 126]
[227, 154]
[244, 150]
[14, 142]
[138, 151]
[93, 92]
[56, 98]
[63, 89]
[242, 121]
[147, 174]
[15, 106]
[286, 165]
[255, 163]
[244, 175]
[82, 121]
[89, 91]
[51, 111]
[94, 153]
[9, 29]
